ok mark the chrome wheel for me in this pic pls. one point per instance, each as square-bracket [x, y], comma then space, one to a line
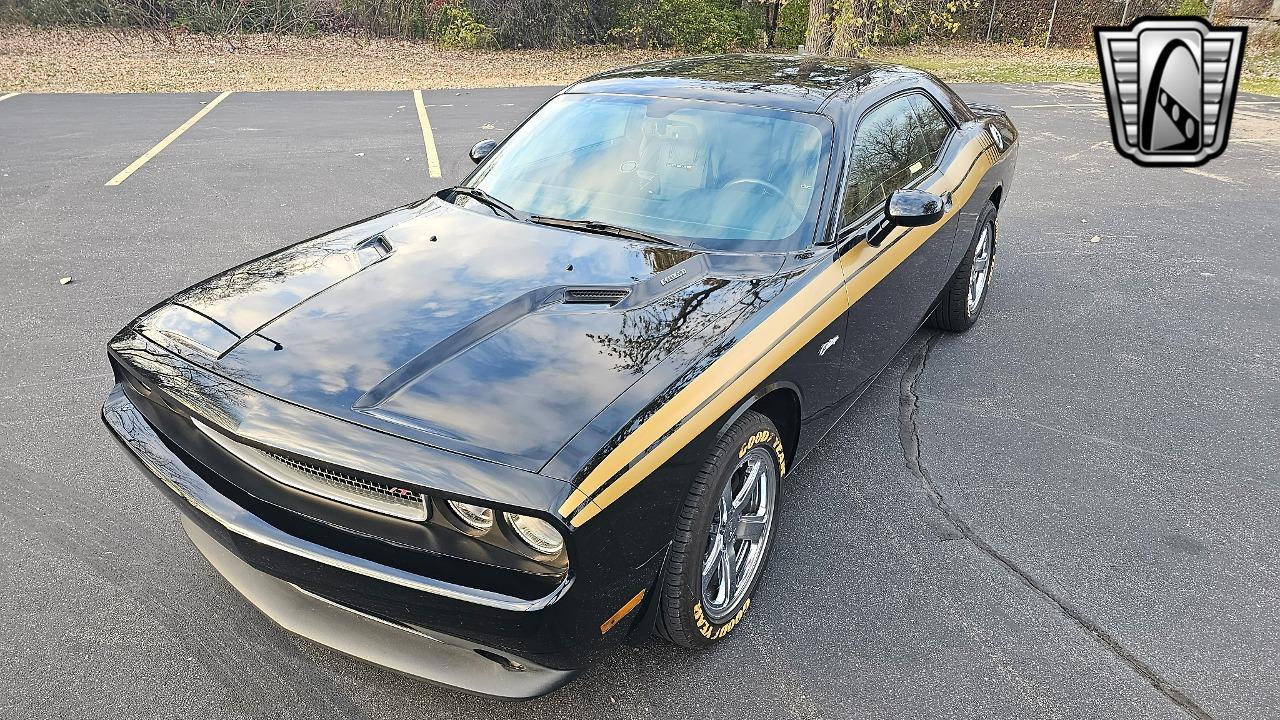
[739, 533]
[980, 271]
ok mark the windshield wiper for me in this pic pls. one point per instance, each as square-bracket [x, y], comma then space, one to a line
[487, 199]
[600, 228]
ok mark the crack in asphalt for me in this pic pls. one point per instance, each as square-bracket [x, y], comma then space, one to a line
[909, 436]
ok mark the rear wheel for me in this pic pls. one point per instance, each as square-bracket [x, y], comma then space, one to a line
[966, 292]
[723, 535]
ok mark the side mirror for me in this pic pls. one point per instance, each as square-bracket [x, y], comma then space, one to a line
[914, 208]
[481, 150]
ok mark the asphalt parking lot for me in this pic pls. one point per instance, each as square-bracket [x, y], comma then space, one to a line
[1068, 512]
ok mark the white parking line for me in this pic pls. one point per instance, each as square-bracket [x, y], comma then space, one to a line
[6, 96]
[133, 166]
[433, 158]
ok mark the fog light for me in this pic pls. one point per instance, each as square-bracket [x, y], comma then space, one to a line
[477, 516]
[540, 534]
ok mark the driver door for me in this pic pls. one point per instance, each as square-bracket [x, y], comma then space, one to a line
[891, 286]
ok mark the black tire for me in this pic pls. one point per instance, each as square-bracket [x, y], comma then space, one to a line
[681, 617]
[953, 313]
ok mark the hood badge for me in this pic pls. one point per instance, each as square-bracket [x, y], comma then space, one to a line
[675, 276]
[827, 345]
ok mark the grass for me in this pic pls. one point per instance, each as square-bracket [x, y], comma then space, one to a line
[85, 60]
[1020, 64]
[996, 63]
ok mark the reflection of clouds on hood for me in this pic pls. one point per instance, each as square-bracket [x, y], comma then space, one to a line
[523, 390]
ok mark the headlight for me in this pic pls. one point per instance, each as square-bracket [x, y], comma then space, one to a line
[540, 534]
[477, 516]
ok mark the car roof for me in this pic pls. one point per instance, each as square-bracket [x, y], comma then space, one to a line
[789, 82]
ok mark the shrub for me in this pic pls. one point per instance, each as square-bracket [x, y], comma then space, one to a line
[548, 23]
[455, 26]
[706, 26]
[213, 16]
[1196, 8]
[449, 22]
[793, 22]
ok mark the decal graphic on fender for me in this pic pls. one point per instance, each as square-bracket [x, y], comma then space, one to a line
[828, 345]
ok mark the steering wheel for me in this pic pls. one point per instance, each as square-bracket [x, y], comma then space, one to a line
[759, 183]
[785, 204]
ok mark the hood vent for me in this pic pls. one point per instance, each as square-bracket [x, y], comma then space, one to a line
[371, 250]
[595, 296]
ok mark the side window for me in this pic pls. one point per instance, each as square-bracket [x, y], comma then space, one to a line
[890, 152]
[933, 128]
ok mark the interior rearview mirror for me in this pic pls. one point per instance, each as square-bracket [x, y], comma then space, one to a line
[481, 150]
[914, 208]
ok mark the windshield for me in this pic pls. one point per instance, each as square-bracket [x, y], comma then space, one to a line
[715, 175]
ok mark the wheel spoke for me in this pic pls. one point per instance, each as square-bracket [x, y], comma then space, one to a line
[979, 269]
[728, 570]
[754, 468]
[751, 528]
[727, 498]
[712, 562]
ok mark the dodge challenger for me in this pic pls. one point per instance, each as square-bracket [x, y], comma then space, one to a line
[484, 437]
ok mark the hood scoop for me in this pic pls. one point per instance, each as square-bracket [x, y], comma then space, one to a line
[478, 331]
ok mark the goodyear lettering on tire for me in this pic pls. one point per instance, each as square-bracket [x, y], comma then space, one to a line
[766, 437]
[715, 632]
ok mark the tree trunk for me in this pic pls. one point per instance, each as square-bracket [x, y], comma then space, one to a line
[846, 32]
[817, 37]
[771, 12]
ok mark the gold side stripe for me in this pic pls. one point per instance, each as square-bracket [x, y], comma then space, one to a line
[575, 500]
[715, 377]
[732, 376]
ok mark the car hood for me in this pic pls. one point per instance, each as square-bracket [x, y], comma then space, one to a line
[449, 326]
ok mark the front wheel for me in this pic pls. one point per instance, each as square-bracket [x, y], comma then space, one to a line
[966, 292]
[723, 535]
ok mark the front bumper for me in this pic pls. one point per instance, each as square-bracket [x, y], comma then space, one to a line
[298, 583]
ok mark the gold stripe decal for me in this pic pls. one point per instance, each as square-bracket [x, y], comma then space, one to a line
[730, 378]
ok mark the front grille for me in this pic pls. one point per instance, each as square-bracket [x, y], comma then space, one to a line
[403, 497]
[334, 485]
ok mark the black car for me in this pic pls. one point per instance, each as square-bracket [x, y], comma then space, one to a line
[485, 436]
